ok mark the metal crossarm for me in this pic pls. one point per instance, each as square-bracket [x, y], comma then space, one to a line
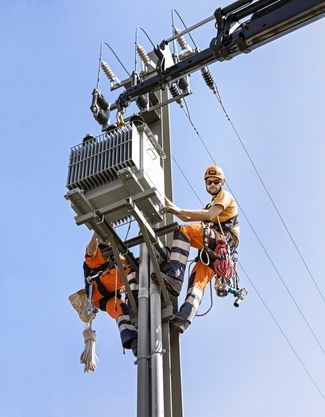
[144, 225]
[120, 245]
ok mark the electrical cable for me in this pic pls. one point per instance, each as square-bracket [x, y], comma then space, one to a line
[218, 96]
[283, 333]
[188, 182]
[263, 247]
[114, 53]
[186, 28]
[267, 308]
[152, 44]
[211, 303]
[100, 60]
[135, 49]
[136, 44]
[269, 195]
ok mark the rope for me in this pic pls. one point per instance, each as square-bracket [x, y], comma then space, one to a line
[211, 302]
[211, 298]
[88, 356]
[115, 289]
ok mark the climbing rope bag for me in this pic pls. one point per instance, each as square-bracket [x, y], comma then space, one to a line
[223, 264]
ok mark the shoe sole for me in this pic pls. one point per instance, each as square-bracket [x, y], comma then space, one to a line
[175, 326]
[170, 289]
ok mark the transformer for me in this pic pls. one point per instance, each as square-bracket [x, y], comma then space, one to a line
[119, 165]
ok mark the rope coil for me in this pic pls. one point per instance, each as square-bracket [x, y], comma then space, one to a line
[88, 357]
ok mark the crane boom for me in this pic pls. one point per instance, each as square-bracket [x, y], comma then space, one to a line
[241, 27]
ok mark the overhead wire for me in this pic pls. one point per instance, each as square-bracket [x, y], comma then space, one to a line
[187, 113]
[186, 179]
[269, 196]
[261, 243]
[116, 56]
[300, 360]
[99, 62]
[283, 333]
[216, 93]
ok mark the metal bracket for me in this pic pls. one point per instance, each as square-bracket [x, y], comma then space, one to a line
[153, 242]
[165, 60]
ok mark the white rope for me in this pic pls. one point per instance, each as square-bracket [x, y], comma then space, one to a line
[88, 356]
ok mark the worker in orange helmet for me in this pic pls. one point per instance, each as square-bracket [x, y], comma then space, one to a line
[107, 286]
[221, 214]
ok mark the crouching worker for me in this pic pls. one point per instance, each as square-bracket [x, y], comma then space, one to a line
[219, 223]
[107, 286]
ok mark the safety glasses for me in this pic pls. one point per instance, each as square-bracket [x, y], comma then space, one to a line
[216, 182]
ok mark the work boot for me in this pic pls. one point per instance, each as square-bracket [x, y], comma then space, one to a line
[173, 285]
[178, 324]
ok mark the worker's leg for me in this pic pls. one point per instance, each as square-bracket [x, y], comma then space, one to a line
[131, 277]
[184, 237]
[201, 275]
[119, 311]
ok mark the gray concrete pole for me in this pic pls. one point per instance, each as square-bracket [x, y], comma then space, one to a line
[157, 379]
[143, 383]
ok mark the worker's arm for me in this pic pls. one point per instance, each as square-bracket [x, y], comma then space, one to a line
[92, 246]
[193, 215]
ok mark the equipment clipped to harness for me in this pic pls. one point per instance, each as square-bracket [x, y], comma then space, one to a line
[223, 264]
[216, 254]
[219, 258]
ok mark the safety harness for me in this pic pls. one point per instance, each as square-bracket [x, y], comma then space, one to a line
[94, 275]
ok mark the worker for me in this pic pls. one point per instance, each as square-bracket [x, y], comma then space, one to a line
[218, 218]
[107, 287]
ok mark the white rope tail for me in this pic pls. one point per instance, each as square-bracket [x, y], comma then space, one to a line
[88, 356]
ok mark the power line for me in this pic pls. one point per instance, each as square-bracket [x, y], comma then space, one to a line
[187, 113]
[283, 334]
[186, 179]
[263, 302]
[268, 194]
[213, 86]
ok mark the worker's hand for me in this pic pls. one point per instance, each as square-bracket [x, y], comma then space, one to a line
[170, 207]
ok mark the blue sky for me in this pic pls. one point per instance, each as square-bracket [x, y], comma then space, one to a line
[234, 360]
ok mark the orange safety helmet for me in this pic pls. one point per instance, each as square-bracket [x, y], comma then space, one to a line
[214, 171]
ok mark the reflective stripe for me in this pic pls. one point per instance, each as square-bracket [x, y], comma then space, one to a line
[185, 245]
[196, 300]
[122, 317]
[178, 257]
[126, 326]
[134, 286]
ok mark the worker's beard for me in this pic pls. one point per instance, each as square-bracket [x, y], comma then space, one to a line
[215, 192]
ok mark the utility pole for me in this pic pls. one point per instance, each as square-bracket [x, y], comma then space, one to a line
[125, 173]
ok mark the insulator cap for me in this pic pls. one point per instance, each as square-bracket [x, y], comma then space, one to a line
[181, 40]
[183, 83]
[143, 55]
[174, 91]
[141, 102]
[206, 74]
[102, 102]
[101, 117]
[108, 71]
